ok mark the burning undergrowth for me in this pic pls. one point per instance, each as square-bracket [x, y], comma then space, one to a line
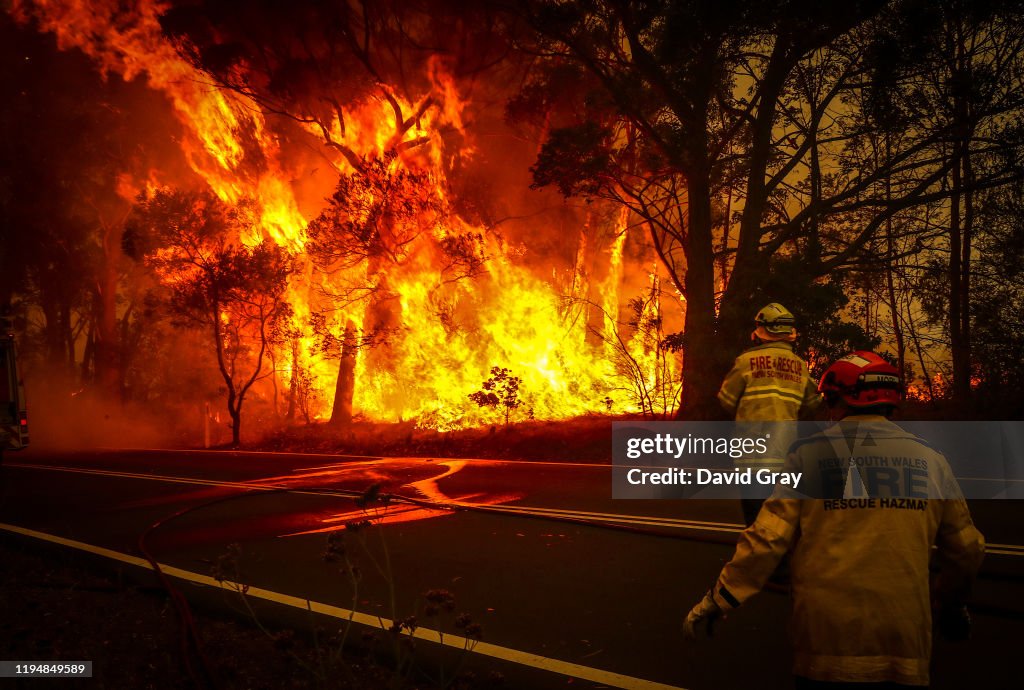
[585, 439]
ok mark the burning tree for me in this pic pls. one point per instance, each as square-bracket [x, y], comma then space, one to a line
[372, 220]
[378, 219]
[380, 91]
[385, 128]
[234, 291]
[642, 361]
[729, 144]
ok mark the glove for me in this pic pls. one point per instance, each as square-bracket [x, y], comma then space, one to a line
[954, 623]
[700, 622]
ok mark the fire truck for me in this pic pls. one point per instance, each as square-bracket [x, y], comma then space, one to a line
[13, 414]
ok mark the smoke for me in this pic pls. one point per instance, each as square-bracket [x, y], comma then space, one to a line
[87, 419]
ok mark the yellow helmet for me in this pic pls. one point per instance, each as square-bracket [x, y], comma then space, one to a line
[775, 322]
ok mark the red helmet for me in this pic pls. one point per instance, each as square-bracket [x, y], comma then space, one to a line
[862, 379]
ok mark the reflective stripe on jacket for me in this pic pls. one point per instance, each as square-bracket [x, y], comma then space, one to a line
[859, 568]
[768, 382]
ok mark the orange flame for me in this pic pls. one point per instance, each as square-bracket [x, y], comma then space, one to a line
[450, 335]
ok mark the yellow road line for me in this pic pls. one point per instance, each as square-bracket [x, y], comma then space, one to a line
[619, 518]
[565, 668]
[730, 525]
[1005, 549]
[424, 458]
[210, 451]
[179, 480]
[512, 510]
[650, 521]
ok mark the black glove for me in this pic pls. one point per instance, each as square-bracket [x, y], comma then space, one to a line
[954, 623]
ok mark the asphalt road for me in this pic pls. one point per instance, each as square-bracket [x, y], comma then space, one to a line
[554, 569]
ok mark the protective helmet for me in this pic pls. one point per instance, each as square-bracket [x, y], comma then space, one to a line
[775, 322]
[862, 379]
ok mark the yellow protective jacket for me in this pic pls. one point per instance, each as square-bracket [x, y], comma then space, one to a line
[859, 565]
[768, 382]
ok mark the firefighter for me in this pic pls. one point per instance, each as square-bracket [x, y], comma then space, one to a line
[769, 383]
[862, 598]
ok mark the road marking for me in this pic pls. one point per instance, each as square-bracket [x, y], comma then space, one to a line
[565, 668]
[182, 480]
[338, 465]
[618, 518]
[210, 451]
[425, 458]
[596, 518]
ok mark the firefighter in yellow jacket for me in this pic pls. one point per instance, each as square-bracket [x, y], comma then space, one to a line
[769, 383]
[862, 598]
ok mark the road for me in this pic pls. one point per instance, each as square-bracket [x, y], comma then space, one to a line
[573, 588]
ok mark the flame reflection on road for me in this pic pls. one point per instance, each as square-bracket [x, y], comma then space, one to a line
[426, 488]
[416, 478]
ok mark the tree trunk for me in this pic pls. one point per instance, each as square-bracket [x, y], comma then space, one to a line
[107, 351]
[700, 375]
[344, 391]
[293, 384]
[68, 334]
[960, 230]
[749, 267]
[890, 282]
[890, 278]
[235, 414]
[925, 374]
[961, 383]
[963, 365]
[723, 250]
[275, 399]
[51, 329]
[88, 355]
[127, 347]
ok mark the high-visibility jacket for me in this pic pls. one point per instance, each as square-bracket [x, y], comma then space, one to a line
[859, 567]
[768, 382]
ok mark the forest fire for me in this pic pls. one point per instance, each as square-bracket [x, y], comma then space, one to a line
[609, 286]
[456, 216]
[422, 311]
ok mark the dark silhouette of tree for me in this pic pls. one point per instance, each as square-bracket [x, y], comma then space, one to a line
[950, 66]
[234, 292]
[500, 390]
[71, 143]
[998, 319]
[771, 105]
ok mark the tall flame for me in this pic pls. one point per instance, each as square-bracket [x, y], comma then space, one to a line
[450, 335]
